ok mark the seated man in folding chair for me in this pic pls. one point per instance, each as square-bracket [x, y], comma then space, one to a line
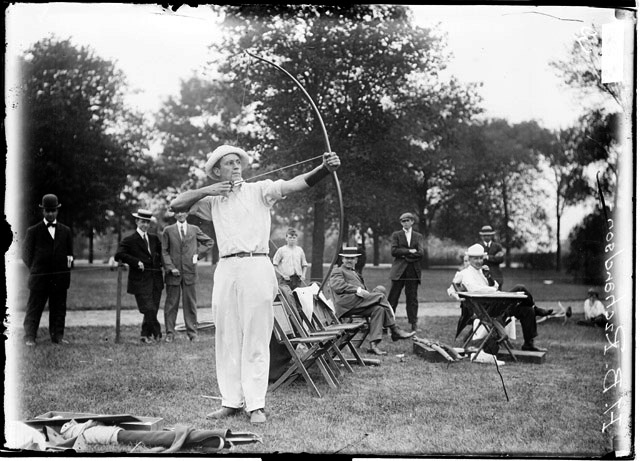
[351, 297]
[475, 278]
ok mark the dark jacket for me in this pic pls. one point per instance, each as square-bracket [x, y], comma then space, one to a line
[46, 258]
[344, 284]
[402, 257]
[495, 257]
[132, 249]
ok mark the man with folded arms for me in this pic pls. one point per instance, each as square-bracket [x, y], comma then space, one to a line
[244, 282]
[351, 297]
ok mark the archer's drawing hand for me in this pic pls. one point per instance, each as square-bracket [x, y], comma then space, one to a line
[220, 188]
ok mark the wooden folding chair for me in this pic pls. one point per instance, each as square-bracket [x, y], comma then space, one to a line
[494, 318]
[321, 317]
[286, 296]
[287, 333]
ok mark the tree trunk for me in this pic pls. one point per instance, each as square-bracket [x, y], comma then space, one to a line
[558, 244]
[91, 244]
[376, 248]
[317, 252]
[424, 230]
[507, 241]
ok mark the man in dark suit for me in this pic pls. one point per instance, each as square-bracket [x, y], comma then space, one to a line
[351, 297]
[406, 249]
[182, 245]
[48, 253]
[143, 253]
[493, 254]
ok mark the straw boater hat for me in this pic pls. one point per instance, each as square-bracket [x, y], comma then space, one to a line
[143, 214]
[349, 252]
[220, 152]
[487, 230]
[50, 202]
[475, 250]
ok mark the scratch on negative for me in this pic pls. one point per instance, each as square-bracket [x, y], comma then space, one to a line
[545, 14]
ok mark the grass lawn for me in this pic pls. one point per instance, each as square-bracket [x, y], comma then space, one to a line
[94, 286]
[407, 406]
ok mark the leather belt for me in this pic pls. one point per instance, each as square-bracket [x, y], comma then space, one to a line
[243, 254]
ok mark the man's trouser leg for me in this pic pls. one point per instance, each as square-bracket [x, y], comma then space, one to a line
[243, 294]
[57, 313]
[411, 292]
[145, 306]
[527, 317]
[394, 293]
[379, 317]
[190, 309]
[35, 306]
[171, 304]
[157, 329]
[527, 302]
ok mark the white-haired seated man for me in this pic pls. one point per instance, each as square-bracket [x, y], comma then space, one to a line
[477, 278]
[351, 297]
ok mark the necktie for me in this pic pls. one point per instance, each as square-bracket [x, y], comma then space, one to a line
[181, 232]
[146, 240]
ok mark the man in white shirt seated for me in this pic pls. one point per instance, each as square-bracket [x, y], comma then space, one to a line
[476, 278]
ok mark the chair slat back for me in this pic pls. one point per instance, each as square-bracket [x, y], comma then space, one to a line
[282, 319]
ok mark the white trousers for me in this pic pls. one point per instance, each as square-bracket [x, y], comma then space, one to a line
[243, 294]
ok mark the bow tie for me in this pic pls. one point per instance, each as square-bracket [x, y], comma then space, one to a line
[50, 224]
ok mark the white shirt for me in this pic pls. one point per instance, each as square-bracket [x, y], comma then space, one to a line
[52, 230]
[474, 280]
[145, 238]
[182, 229]
[592, 310]
[243, 219]
[290, 261]
[407, 233]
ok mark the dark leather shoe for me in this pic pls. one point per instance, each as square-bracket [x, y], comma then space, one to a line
[533, 348]
[542, 312]
[398, 334]
[224, 412]
[374, 350]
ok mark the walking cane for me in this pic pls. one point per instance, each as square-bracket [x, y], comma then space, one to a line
[118, 302]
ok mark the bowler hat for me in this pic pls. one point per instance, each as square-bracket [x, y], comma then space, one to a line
[487, 230]
[410, 216]
[475, 250]
[220, 152]
[50, 202]
[349, 252]
[143, 214]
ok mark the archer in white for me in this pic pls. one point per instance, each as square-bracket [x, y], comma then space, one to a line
[244, 282]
